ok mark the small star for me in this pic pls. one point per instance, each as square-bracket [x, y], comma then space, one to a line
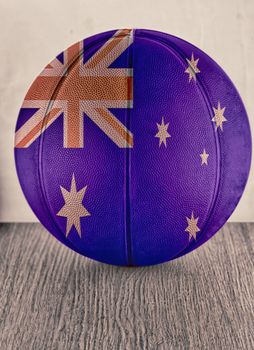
[219, 118]
[204, 156]
[162, 133]
[192, 69]
[73, 208]
[192, 227]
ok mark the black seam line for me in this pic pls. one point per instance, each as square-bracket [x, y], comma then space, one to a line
[127, 219]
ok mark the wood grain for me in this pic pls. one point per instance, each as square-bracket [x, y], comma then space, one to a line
[52, 298]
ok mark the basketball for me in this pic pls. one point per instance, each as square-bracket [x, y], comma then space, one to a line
[132, 147]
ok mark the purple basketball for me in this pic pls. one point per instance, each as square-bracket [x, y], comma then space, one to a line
[132, 147]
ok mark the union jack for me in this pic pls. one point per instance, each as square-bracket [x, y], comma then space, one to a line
[74, 88]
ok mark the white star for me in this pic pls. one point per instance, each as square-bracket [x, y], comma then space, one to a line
[192, 227]
[73, 208]
[219, 118]
[192, 69]
[204, 156]
[162, 133]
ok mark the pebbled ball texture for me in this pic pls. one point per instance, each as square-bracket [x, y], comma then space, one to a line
[133, 147]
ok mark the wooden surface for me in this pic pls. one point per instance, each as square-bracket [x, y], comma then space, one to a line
[52, 298]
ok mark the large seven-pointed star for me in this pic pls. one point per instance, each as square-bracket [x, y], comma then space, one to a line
[73, 208]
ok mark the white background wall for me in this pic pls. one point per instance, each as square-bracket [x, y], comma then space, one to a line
[32, 32]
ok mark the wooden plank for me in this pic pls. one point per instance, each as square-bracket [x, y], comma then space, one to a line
[52, 298]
